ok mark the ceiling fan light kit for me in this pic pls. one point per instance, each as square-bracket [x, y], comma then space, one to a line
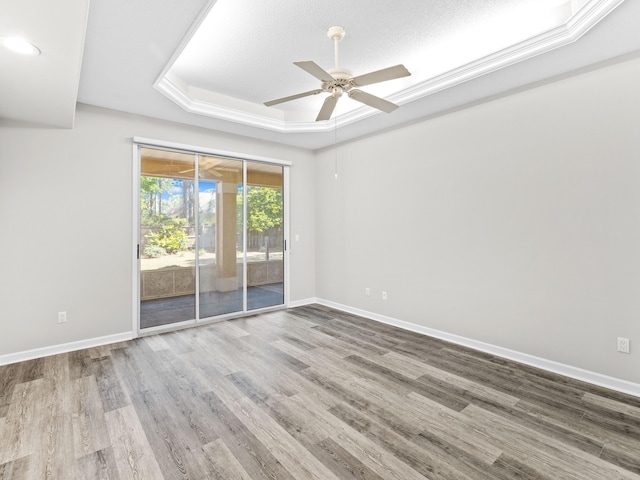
[337, 81]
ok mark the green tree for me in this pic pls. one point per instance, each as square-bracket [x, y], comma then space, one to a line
[264, 208]
[151, 191]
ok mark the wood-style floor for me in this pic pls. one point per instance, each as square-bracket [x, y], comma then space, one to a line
[306, 393]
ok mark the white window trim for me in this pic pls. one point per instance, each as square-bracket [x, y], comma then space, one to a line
[146, 142]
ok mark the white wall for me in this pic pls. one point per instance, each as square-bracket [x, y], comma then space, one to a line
[66, 213]
[515, 222]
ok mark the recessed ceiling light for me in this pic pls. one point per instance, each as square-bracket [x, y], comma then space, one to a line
[20, 45]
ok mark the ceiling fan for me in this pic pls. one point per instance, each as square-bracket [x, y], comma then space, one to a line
[208, 168]
[337, 81]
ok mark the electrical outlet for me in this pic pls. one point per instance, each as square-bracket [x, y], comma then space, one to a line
[623, 345]
[62, 317]
[384, 295]
[367, 292]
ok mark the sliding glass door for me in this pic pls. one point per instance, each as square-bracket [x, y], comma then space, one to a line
[211, 237]
[166, 248]
[221, 231]
[265, 235]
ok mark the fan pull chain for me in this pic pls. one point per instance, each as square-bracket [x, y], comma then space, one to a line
[335, 146]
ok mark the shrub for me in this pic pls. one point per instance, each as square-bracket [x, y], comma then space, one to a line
[154, 251]
[171, 238]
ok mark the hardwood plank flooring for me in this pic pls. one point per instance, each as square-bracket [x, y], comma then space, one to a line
[306, 393]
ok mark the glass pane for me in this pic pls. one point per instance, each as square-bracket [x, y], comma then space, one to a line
[167, 237]
[220, 236]
[265, 235]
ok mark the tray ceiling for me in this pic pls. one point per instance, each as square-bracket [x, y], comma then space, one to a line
[213, 63]
[236, 60]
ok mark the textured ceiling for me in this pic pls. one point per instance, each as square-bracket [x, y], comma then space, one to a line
[252, 38]
[240, 53]
[245, 49]
[249, 47]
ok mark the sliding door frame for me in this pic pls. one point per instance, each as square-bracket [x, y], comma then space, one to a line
[141, 142]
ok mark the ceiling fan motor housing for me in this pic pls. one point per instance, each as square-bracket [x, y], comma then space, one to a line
[335, 33]
[342, 82]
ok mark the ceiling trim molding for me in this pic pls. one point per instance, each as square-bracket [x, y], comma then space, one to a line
[192, 105]
[576, 26]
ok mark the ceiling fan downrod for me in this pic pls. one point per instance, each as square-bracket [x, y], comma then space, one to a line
[336, 33]
[341, 75]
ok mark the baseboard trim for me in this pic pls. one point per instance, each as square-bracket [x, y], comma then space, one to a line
[303, 302]
[64, 348]
[576, 373]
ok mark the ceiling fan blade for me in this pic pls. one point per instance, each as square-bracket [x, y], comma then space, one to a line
[292, 97]
[372, 101]
[383, 75]
[209, 171]
[316, 70]
[327, 108]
